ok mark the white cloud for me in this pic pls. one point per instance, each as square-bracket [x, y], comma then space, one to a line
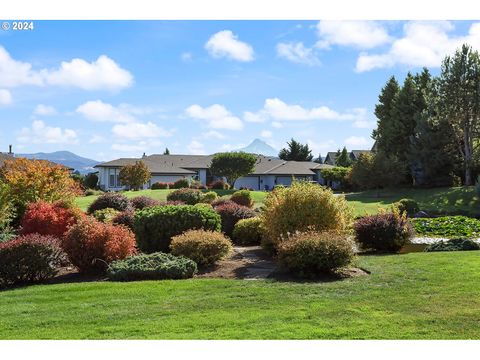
[103, 73]
[422, 44]
[5, 97]
[360, 34]
[196, 147]
[138, 130]
[40, 133]
[278, 110]
[267, 134]
[213, 135]
[99, 111]
[254, 117]
[44, 110]
[97, 139]
[226, 44]
[318, 147]
[186, 57]
[216, 117]
[357, 141]
[297, 53]
[277, 125]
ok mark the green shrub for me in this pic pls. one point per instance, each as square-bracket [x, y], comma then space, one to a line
[106, 215]
[188, 196]
[154, 227]
[385, 232]
[456, 244]
[312, 253]
[209, 197]
[30, 258]
[156, 266]
[303, 207]
[161, 185]
[409, 206]
[203, 247]
[248, 232]
[447, 226]
[180, 184]
[7, 209]
[91, 192]
[477, 187]
[242, 197]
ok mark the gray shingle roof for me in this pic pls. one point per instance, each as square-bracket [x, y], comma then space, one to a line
[181, 164]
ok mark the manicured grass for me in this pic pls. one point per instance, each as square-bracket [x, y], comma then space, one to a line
[454, 200]
[84, 201]
[413, 296]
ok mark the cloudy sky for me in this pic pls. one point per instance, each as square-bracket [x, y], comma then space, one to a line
[120, 88]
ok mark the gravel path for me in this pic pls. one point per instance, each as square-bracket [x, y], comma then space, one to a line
[258, 265]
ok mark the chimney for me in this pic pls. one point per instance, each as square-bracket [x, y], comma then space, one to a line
[144, 155]
[10, 150]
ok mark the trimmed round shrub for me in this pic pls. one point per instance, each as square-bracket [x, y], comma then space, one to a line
[105, 215]
[231, 214]
[196, 184]
[90, 192]
[303, 207]
[386, 232]
[161, 185]
[141, 202]
[111, 200]
[242, 197]
[248, 232]
[49, 219]
[456, 244]
[176, 202]
[218, 185]
[188, 196]
[180, 184]
[156, 266]
[409, 206]
[126, 218]
[30, 258]
[203, 247]
[91, 245]
[312, 253]
[155, 226]
[209, 197]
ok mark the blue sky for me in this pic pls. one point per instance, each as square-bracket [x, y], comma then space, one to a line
[109, 89]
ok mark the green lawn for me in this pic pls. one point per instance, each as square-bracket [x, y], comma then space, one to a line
[84, 201]
[413, 296]
[454, 200]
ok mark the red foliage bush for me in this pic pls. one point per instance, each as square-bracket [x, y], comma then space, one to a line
[141, 202]
[49, 219]
[221, 201]
[231, 214]
[92, 245]
[218, 185]
[30, 258]
[126, 218]
[161, 185]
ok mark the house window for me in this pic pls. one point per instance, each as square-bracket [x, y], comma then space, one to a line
[118, 181]
[111, 182]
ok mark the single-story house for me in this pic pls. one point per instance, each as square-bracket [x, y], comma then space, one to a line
[170, 168]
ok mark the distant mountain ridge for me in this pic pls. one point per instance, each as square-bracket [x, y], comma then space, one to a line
[260, 147]
[67, 158]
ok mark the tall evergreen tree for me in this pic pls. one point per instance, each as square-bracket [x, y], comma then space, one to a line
[383, 112]
[343, 158]
[166, 152]
[459, 99]
[296, 152]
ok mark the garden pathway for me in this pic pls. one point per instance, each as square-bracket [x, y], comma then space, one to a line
[258, 265]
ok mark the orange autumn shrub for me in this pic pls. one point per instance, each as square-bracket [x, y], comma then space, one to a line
[49, 219]
[92, 245]
[33, 180]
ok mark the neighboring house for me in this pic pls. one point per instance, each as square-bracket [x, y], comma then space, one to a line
[331, 157]
[170, 168]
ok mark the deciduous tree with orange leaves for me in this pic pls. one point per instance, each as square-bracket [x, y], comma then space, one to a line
[33, 180]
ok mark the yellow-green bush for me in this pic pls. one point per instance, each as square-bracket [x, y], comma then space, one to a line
[203, 247]
[248, 232]
[312, 253]
[303, 207]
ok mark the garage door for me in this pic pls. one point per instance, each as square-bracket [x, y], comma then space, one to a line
[250, 182]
